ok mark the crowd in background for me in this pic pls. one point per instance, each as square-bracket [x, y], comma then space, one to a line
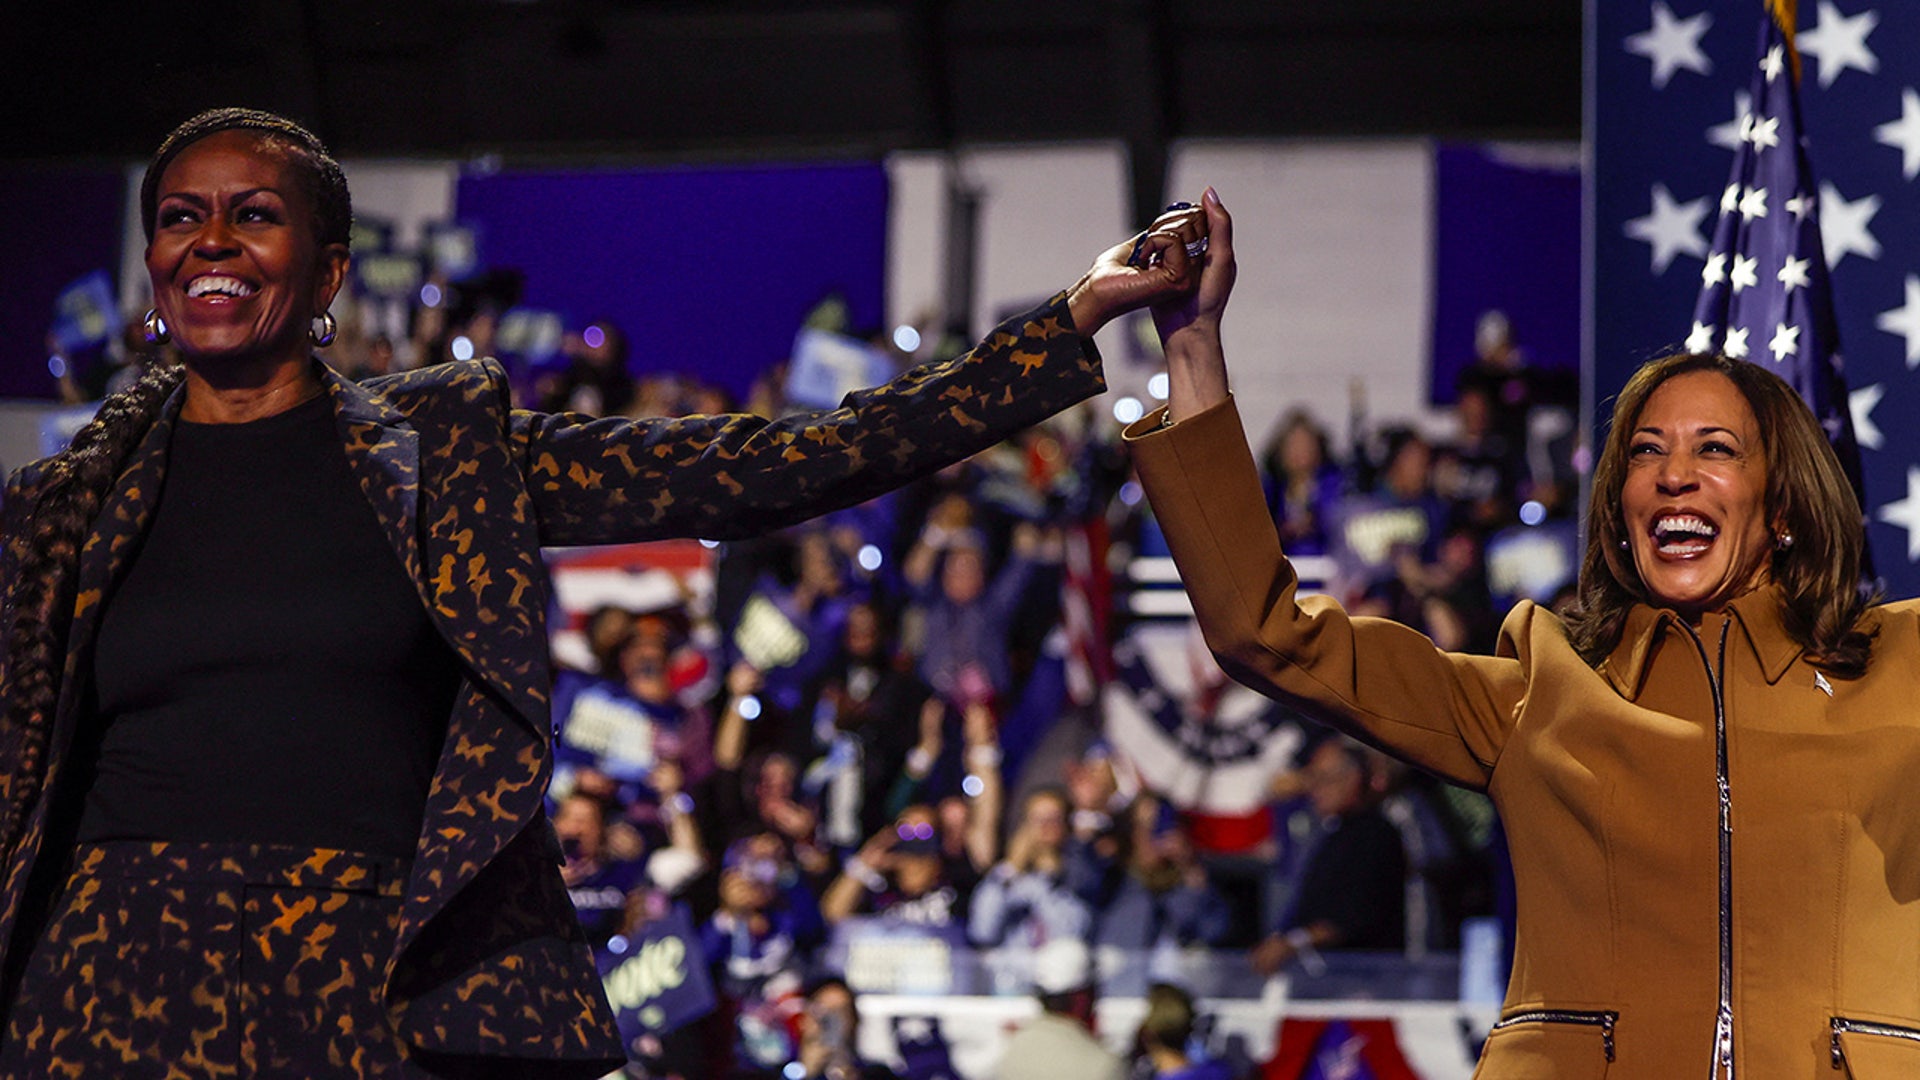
[867, 721]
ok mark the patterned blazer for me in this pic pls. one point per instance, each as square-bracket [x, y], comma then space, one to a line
[489, 959]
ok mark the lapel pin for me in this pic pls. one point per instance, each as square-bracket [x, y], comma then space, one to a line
[1820, 680]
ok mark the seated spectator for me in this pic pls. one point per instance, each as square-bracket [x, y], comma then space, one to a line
[625, 721]
[965, 616]
[756, 944]
[759, 792]
[898, 875]
[1030, 897]
[860, 704]
[597, 882]
[791, 631]
[830, 1037]
[1094, 789]
[1483, 470]
[1352, 892]
[1370, 531]
[1162, 898]
[1302, 482]
[1164, 1041]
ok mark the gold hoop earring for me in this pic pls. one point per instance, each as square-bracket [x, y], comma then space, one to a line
[158, 333]
[323, 330]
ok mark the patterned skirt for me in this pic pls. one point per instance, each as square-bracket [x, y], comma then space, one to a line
[212, 960]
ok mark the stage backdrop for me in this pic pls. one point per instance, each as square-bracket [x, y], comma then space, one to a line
[713, 269]
[1669, 80]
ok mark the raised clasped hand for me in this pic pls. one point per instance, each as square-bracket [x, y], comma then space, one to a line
[1161, 266]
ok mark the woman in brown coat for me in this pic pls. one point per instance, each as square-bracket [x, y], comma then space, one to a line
[1707, 772]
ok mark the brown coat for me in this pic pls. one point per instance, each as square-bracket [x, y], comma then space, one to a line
[1607, 780]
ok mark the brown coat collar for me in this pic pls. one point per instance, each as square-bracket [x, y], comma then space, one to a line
[1757, 615]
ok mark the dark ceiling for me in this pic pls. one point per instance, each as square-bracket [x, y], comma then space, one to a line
[573, 79]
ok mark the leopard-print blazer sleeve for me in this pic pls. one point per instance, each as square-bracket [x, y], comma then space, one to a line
[730, 476]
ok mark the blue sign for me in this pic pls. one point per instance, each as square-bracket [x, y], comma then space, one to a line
[84, 314]
[660, 981]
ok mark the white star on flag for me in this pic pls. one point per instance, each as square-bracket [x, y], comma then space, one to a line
[1736, 344]
[1860, 404]
[1793, 273]
[1672, 44]
[1843, 225]
[1905, 513]
[1799, 206]
[1730, 198]
[1765, 134]
[1839, 42]
[1701, 340]
[1715, 271]
[1905, 321]
[1754, 203]
[1672, 228]
[1786, 341]
[1734, 131]
[1774, 63]
[1746, 271]
[1904, 133]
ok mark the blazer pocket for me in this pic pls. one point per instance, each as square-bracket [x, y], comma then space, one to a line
[1568, 1044]
[1871, 1050]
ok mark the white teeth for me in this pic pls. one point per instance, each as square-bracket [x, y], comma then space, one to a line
[220, 284]
[1684, 524]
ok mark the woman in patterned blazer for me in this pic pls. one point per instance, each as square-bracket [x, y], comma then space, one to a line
[274, 721]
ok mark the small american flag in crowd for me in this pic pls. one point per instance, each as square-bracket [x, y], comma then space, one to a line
[1811, 264]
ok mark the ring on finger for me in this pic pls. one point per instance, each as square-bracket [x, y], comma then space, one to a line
[1197, 248]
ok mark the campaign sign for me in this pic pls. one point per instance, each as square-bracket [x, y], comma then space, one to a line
[828, 366]
[369, 234]
[882, 956]
[660, 981]
[390, 275]
[84, 314]
[453, 249]
[533, 334]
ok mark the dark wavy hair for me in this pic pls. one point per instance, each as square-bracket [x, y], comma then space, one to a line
[320, 176]
[73, 485]
[1807, 494]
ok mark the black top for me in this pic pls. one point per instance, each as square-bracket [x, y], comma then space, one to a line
[266, 671]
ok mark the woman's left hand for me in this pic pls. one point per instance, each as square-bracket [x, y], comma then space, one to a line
[1157, 268]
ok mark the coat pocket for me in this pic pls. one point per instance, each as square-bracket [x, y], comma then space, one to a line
[1569, 1044]
[1871, 1050]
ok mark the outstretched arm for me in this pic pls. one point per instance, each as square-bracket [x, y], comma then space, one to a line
[731, 476]
[1378, 680]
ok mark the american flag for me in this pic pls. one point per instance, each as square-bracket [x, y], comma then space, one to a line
[1808, 157]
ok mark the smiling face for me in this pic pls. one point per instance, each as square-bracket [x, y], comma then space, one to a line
[1694, 500]
[237, 268]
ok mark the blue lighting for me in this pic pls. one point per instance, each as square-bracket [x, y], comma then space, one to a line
[1532, 512]
[869, 558]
